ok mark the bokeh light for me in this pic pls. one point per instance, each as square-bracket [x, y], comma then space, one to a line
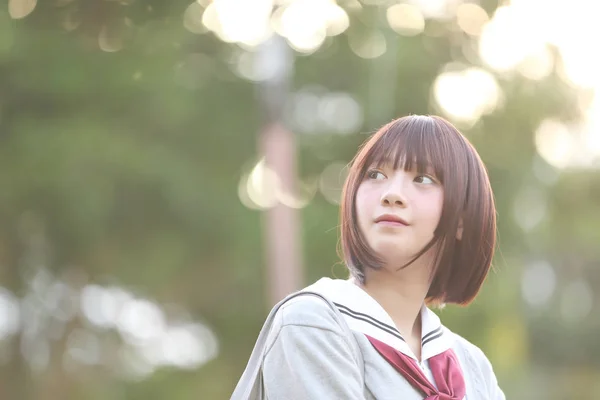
[129, 260]
[192, 18]
[21, 8]
[576, 301]
[332, 180]
[239, 21]
[9, 314]
[530, 207]
[368, 45]
[315, 110]
[42, 314]
[538, 283]
[437, 9]
[471, 18]
[555, 143]
[406, 19]
[261, 189]
[518, 36]
[466, 94]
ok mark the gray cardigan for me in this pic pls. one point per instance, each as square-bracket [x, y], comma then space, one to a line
[308, 352]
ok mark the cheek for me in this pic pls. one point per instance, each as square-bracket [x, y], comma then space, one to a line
[359, 204]
[365, 201]
[434, 209]
[364, 209]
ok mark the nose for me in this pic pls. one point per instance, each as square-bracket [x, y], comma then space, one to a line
[394, 194]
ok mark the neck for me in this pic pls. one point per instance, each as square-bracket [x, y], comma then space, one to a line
[401, 294]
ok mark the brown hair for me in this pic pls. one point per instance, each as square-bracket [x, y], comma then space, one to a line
[460, 266]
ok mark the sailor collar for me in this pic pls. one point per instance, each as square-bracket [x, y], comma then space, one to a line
[365, 315]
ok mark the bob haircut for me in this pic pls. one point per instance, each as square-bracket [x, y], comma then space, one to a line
[418, 142]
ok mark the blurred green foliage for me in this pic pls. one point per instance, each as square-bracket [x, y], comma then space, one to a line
[123, 167]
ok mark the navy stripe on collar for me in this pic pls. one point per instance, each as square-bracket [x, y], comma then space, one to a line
[439, 333]
[432, 335]
[370, 320]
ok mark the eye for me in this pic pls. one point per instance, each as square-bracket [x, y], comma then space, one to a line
[375, 174]
[425, 179]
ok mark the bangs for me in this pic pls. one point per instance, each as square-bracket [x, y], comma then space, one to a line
[410, 144]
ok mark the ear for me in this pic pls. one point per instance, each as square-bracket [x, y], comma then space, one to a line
[459, 231]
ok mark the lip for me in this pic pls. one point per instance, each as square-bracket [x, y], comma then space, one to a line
[390, 219]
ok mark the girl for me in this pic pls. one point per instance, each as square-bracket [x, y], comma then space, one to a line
[418, 229]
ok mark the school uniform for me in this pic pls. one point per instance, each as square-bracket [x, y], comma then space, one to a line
[349, 348]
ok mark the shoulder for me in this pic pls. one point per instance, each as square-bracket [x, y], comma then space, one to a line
[305, 321]
[307, 310]
[478, 365]
[473, 353]
[307, 355]
[469, 348]
[480, 369]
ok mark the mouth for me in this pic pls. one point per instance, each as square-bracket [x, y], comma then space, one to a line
[391, 220]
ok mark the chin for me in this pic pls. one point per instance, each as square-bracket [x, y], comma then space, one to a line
[391, 254]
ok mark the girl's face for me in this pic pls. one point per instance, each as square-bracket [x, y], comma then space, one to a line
[398, 211]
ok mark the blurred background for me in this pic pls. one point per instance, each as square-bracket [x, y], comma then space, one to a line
[170, 169]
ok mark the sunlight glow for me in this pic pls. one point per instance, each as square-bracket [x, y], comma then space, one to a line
[261, 189]
[21, 8]
[506, 40]
[436, 9]
[263, 185]
[307, 23]
[239, 21]
[302, 197]
[192, 18]
[467, 94]
[304, 23]
[554, 143]
[518, 38]
[592, 133]
[405, 19]
[533, 38]
[332, 181]
[575, 145]
[369, 45]
[471, 18]
[580, 68]
[537, 65]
